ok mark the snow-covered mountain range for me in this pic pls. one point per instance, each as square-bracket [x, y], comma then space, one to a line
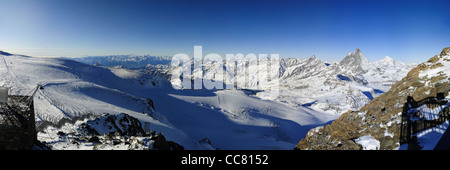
[229, 119]
[312, 93]
[130, 61]
[338, 87]
[332, 88]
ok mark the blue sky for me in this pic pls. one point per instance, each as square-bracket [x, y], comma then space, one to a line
[410, 31]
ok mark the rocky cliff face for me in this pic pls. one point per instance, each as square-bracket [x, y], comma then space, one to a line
[104, 132]
[381, 118]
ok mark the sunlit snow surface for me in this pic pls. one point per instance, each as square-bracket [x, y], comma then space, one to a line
[368, 142]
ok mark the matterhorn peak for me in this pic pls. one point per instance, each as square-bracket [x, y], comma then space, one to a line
[355, 58]
[355, 61]
[358, 52]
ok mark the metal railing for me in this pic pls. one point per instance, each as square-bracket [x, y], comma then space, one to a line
[413, 120]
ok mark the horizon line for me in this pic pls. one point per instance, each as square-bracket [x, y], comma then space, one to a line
[106, 55]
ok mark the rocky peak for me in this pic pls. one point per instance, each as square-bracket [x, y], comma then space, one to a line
[313, 59]
[355, 62]
[445, 51]
[356, 57]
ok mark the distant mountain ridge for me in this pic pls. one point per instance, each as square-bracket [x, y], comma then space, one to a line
[129, 61]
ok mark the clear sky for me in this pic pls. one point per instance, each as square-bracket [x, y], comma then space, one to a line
[407, 30]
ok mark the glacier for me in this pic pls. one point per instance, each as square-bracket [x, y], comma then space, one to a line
[228, 118]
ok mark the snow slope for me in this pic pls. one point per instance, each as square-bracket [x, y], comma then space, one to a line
[71, 88]
[243, 118]
[229, 119]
